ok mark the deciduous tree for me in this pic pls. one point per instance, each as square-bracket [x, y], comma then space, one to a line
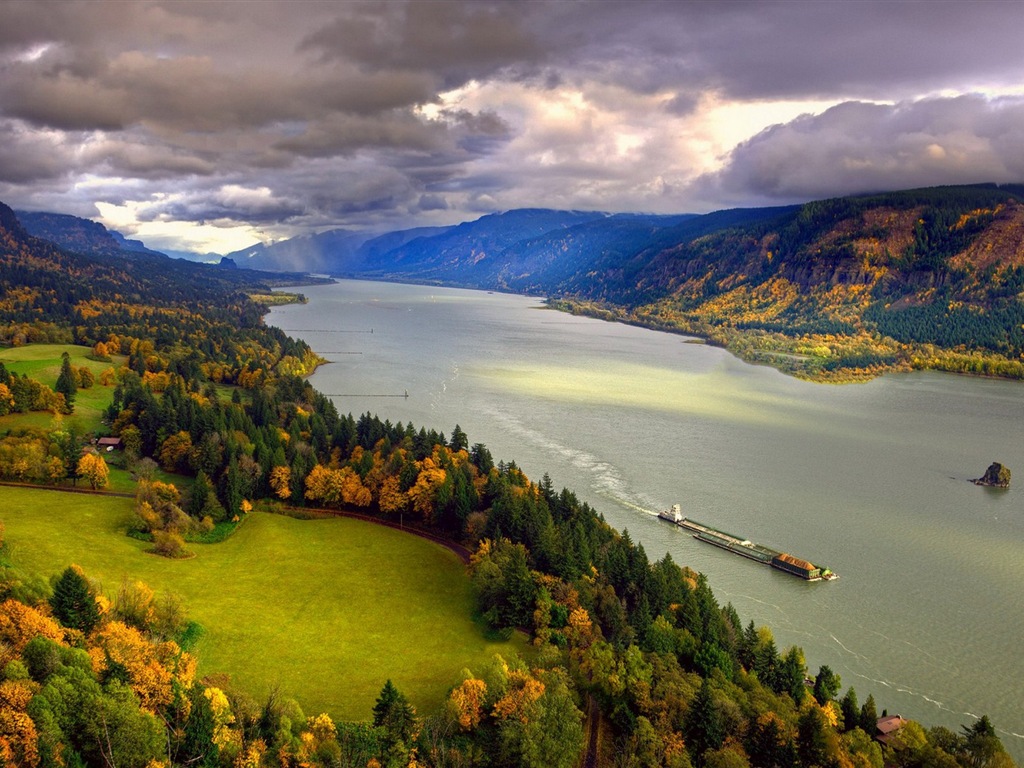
[93, 468]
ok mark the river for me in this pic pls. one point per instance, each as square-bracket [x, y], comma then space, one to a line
[868, 479]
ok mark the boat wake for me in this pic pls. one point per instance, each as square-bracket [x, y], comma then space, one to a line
[605, 479]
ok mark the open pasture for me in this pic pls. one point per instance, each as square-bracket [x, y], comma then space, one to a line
[42, 362]
[324, 610]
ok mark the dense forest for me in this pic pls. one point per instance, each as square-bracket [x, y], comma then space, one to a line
[638, 649]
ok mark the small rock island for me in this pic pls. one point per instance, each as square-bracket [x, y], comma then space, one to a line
[996, 476]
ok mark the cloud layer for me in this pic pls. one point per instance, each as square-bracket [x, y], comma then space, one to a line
[206, 124]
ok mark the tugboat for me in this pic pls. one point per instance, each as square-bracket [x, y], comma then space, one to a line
[673, 515]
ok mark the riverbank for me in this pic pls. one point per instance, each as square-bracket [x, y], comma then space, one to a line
[820, 358]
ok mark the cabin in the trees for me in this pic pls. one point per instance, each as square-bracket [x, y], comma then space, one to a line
[887, 727]
[109, 443]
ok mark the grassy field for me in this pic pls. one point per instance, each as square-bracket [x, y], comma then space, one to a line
[326, 610]
[42, 362]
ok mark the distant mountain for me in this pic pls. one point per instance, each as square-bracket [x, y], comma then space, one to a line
[308, 253]
[79, 235]
[470, 252]
[373, 252]
[930, 278]
[186, 315]
[134, 246]
[842, 288]
[526, 250]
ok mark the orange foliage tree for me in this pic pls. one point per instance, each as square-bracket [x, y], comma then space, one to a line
[93, 468]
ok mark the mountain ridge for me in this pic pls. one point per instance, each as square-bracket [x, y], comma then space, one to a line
[836, 289]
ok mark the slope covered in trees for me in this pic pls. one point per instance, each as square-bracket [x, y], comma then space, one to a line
[834, 289]
[196, 315]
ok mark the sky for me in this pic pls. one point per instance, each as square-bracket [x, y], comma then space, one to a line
[210, 126]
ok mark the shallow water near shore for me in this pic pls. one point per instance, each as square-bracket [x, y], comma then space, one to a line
[871, 480]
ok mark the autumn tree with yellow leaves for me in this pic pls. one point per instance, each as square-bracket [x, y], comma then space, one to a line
[93, 469]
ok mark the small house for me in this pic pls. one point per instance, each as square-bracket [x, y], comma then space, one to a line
[109, 443]
[887, 727]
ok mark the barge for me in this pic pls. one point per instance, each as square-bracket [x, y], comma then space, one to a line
[794, 566]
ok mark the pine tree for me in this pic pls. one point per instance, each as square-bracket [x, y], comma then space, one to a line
[851, 712]
[826, 684]
[704, 728]
[459, 441]
[869, 716]
[66, 384]
[73, 601]
[197, 747]
[394, 714]
[200, 495]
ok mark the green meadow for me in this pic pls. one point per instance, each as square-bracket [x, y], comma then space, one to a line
[322, 610]
[42, 362]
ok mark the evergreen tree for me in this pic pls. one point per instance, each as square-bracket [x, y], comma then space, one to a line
[815, 739]
[459, 441]
[482, 458]
[981, 744]
[791, 676]
[851, 713]
[66, 382]
[826, 684]
[69, 448]
[869, 716]
[394, 714]
[73, 601]
[199, 496]
[704, 728]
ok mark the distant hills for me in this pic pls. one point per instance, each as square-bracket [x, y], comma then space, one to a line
[77, 282]
[834, 289]
[77, 234]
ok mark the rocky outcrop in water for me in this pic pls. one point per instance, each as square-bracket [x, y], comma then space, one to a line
[996, 476]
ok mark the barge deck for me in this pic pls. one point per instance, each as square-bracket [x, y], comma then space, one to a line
[748, 549]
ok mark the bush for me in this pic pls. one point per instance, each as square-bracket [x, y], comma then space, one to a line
[170, 544]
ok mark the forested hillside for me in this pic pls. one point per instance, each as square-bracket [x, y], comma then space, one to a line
[832, 290]
[196, 315]
[928, 278]
[665, 675]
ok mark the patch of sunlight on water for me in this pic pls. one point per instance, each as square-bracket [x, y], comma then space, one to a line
[709, 394]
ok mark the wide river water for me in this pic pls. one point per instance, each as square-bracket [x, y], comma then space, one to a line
[868, 479]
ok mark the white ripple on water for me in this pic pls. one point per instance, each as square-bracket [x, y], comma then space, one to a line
[438, 399]
[606, 480]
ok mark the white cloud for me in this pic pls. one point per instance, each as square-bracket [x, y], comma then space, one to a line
[860, 147]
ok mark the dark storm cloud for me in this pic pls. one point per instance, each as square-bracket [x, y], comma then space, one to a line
[322, 112]
[457, 41]
[859, 147]
[795, 49]
[26, 156]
